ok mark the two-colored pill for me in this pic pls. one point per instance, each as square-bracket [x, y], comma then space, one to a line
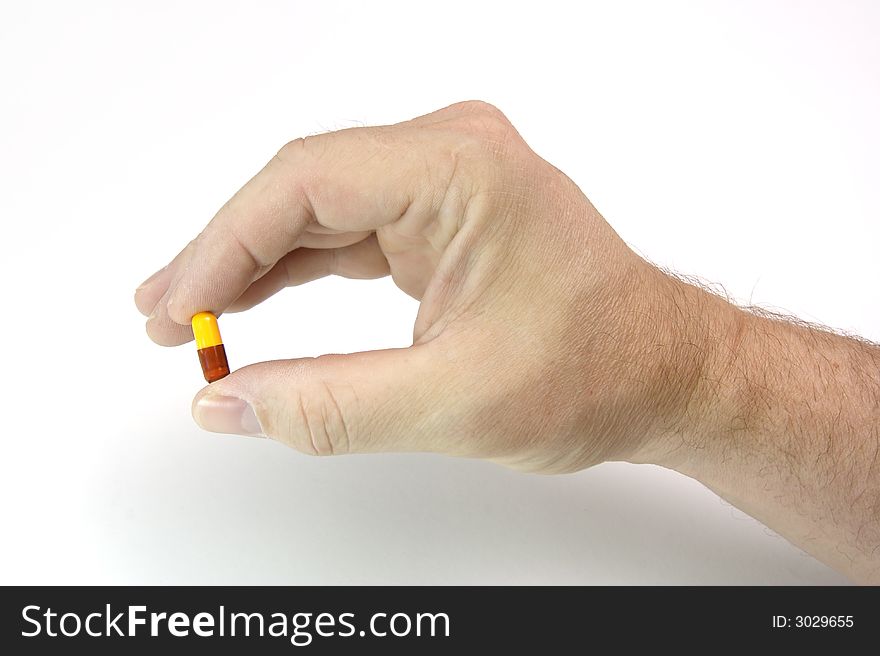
[212, 354]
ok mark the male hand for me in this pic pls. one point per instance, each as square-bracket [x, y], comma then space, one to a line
[542, 341]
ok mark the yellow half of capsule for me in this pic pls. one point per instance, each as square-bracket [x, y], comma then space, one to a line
[206, 330]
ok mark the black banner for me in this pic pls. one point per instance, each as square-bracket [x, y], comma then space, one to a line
[410, 620]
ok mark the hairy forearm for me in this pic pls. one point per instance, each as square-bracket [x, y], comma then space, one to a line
[784, 422]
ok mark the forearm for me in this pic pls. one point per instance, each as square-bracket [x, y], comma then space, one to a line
[784, 422]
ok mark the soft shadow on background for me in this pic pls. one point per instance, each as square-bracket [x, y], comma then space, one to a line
[232, 511]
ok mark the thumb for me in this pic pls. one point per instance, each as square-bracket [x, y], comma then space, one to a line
[362, 402]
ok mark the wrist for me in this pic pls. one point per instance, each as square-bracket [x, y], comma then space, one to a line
[699, 338]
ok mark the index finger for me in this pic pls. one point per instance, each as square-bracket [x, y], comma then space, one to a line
[356, 179]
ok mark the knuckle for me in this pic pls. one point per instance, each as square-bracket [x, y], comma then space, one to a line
[291, 151]
[478, 107]
[293, 168]
[483, 108]
[483, 128]
[317, 424]
[482, 117]
[313, 147]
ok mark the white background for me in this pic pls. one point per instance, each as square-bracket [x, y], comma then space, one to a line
[738, 142]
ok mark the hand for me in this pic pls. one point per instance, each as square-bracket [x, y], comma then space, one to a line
[542, 341]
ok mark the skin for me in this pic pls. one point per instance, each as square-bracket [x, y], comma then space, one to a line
[542, 341]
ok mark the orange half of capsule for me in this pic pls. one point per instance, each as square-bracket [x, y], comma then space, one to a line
[212, 354]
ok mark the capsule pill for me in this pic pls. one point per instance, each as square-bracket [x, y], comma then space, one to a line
[212, 354]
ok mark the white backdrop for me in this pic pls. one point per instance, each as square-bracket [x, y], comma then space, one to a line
[735, 141]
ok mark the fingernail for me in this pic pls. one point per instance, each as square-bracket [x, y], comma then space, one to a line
[227, 414]
[146, 283]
